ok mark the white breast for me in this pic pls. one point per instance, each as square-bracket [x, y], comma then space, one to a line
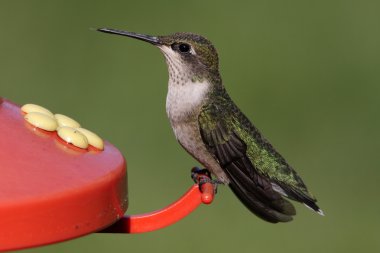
[184, 99]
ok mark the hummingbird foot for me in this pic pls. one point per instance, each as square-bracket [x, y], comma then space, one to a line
[203, 176]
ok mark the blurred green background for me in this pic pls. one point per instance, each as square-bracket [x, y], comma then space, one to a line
[306, 72]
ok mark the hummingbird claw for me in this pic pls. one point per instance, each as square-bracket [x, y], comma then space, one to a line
[199, 175]
[203, 176]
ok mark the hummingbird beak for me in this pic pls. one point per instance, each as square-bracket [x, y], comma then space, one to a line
[147, 38]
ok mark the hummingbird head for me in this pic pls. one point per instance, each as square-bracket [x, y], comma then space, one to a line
[187, 55]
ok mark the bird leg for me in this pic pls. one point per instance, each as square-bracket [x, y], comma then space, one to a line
[202, 176]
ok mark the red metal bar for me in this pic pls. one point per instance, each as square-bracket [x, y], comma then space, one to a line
[167, 216]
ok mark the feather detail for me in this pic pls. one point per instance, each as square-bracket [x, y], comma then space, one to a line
[258, 175]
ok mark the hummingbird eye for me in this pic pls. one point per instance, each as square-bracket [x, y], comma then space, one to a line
[184, 48]
[181, 47]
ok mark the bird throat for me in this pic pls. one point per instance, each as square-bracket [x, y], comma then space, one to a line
[187, 93]
[185, 98]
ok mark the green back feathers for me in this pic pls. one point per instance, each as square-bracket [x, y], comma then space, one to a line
[249, 159]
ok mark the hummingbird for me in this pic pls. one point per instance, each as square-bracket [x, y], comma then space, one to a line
[210, 127]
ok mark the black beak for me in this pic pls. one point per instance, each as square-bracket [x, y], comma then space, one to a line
[147, 38]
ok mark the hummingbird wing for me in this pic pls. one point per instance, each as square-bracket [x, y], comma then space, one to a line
[259, 176]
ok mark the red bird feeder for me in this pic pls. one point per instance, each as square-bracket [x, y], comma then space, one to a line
[51, 191]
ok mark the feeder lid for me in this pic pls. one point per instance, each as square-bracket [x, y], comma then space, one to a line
[51, 191]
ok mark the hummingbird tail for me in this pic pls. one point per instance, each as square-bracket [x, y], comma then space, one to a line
[317, 210]
[302, 196]
[258, 196]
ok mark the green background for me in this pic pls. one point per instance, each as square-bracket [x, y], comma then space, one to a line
[306, 72]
